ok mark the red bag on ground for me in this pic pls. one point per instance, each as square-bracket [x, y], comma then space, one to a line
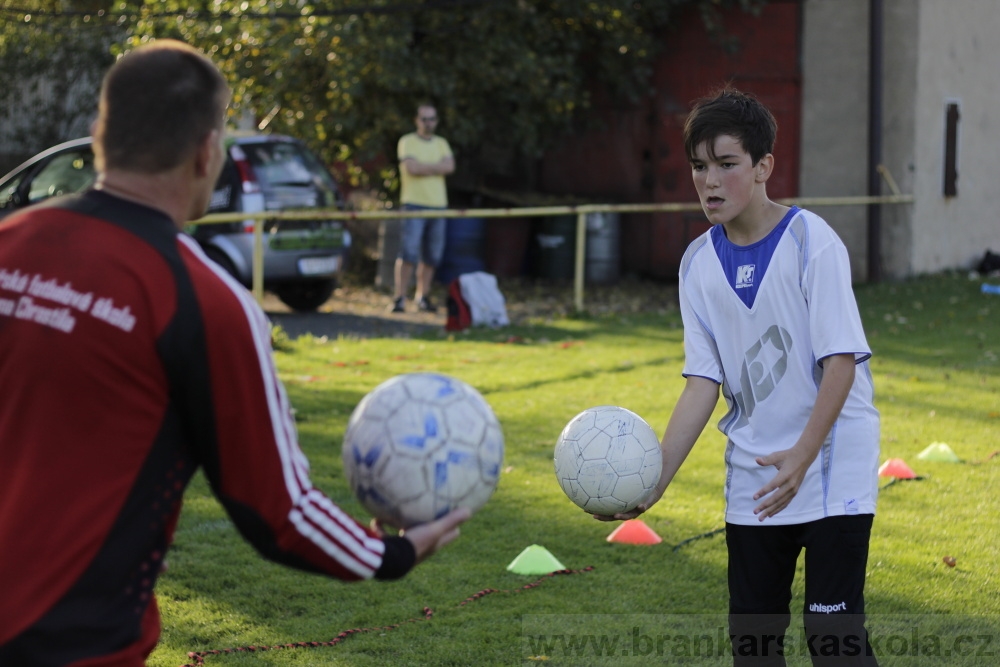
[459, 316]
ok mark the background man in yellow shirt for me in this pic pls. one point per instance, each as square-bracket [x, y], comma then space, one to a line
[424, 160]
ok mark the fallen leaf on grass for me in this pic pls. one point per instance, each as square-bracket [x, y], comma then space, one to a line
[306, 378]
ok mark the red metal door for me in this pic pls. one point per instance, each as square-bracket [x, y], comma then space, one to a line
[638, 156]
[763, 60]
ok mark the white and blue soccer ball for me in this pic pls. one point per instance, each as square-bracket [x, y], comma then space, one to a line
[607, 460]
[420, 445]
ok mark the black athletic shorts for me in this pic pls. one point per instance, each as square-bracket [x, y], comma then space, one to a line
[761, 568]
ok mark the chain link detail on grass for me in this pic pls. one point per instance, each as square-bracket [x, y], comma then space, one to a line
[988, 458]
[698, 537]
[199, 656]
[489, 591]
[895, 480]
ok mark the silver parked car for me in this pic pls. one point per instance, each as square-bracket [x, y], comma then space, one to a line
[263, 172]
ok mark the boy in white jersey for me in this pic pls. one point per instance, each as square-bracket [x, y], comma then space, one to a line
[770, 317]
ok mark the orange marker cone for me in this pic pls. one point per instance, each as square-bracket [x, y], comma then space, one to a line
[634, 531]
[896, 468]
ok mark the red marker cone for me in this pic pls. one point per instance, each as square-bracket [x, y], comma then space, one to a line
[634, 531]
[896, 468]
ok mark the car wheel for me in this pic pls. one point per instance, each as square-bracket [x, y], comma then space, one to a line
[222, 260]
[306, 296]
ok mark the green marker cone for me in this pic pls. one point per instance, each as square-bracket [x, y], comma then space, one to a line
[939, 451]
[535, 560]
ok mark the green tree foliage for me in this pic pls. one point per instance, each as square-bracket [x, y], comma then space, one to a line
[509, 77]
[52, 55]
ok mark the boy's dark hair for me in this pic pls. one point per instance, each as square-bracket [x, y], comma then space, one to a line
[730, 112]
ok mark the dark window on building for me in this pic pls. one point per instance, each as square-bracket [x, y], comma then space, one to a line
[951, 149]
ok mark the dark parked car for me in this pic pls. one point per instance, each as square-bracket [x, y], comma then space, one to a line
[263, 172]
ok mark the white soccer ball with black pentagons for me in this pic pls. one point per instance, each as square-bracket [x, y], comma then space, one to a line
[420, 445]
[607, 460]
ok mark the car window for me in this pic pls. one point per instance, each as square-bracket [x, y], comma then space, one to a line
[7, 192]
[64, 174]
[228, 183]
[291, 165]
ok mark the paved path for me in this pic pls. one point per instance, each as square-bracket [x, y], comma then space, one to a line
[334, 325]
[353, 318]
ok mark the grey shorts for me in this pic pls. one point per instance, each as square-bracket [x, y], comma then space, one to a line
[422, 239]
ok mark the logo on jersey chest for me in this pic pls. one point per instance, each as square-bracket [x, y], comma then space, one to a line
[764, 365]
[744, 275]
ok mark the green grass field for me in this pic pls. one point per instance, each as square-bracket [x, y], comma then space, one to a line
[936, 347]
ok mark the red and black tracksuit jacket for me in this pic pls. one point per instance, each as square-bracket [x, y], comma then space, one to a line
[127, 361]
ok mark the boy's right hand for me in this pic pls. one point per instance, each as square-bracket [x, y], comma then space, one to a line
[650, 500]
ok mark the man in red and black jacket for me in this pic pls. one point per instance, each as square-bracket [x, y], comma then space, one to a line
[127, 361]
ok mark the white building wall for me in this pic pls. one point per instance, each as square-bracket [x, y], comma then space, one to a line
[958, 60]
[900, 45]
[835, 116]
[934, 51]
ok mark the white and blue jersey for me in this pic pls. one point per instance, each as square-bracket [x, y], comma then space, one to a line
[759, 320]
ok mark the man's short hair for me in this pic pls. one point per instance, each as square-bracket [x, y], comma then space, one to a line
[730, 112]
[157, 104]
